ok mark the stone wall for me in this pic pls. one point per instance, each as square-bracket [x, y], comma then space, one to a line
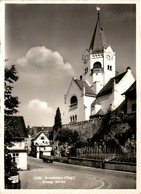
[85, 129]
[111, 165]
[121, 127]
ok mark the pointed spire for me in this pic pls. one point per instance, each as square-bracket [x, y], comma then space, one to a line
[98, 42]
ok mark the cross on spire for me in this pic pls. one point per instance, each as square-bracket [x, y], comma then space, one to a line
[98, 8]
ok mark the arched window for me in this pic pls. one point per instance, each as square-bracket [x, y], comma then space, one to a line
[73, 102]
[97, 65]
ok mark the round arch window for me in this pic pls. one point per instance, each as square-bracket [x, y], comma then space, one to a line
[73, 102]
[97, 65]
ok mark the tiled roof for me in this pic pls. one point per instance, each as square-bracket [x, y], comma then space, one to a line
[88, 90]
[108, 88]
[35, 129]
[49, 129]
[19, 129]
[98, 42]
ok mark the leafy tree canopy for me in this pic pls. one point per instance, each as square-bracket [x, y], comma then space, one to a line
[67, 135]
[11, 102]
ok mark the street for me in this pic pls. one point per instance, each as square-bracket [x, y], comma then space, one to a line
[65, 176]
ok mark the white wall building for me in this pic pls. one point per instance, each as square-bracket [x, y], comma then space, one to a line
[77, 101]
[41, 144]
[98, 90]
[19, 150]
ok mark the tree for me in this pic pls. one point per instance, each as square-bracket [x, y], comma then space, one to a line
[111, 133]
[57, 121]
[75, 137]
[70, 137]
[11, 104]
[67, 135]
[64, 135]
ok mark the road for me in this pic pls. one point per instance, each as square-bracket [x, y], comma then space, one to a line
[65, 176]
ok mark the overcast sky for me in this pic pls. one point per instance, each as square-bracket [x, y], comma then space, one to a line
[46, 42]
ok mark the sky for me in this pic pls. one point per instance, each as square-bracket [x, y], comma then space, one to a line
[46, 43]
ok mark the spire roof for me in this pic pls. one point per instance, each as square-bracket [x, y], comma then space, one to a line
[98, 42]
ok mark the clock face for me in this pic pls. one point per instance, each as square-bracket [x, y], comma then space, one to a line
[109, 56]
[85, 56]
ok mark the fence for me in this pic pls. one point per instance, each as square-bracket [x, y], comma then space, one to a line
[107, 153]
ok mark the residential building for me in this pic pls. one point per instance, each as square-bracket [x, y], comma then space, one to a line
[18, 150]
[41, 144]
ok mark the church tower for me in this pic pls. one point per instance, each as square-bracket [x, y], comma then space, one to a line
[98, 60]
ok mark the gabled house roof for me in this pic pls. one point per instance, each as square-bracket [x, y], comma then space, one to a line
[39, 133]
[108, 88]
[18, 126]
[88, 90]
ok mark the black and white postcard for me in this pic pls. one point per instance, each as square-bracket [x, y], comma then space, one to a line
[69, 94]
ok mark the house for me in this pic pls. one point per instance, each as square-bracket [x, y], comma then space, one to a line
[33, 131]
[41, 144]
[98, 89]
[18, 150]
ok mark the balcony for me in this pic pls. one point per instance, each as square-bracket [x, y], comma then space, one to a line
[97, 69]
[73, 106]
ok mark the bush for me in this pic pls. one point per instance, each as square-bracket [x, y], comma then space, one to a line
[131, 158]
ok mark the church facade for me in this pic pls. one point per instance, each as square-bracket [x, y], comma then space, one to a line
[99, 89]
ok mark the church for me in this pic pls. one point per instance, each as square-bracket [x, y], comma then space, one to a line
[99, 89]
